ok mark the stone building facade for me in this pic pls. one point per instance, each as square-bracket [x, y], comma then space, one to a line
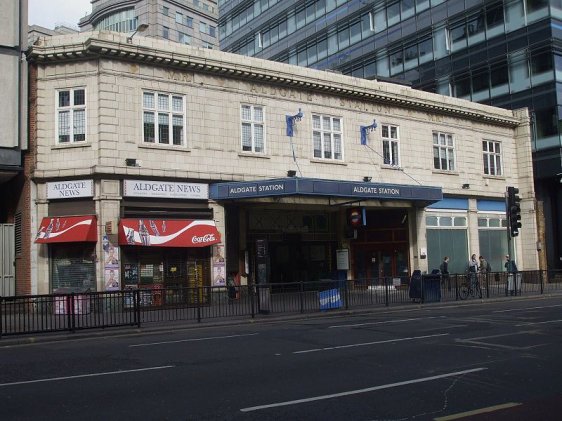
[192, 22]
[157, 164]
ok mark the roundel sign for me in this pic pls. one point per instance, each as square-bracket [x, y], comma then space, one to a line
[355, 217]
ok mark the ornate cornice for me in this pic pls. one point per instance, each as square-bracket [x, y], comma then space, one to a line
[113, 46]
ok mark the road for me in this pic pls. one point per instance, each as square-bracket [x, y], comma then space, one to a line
[494, 360]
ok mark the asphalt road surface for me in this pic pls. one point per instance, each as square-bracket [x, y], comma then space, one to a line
[489, 361]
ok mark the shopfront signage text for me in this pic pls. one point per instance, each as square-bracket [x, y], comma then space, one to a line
[390, 191]
[257, 189]
[70, 189]
[207, 238]
[317, 187]
[162, 189]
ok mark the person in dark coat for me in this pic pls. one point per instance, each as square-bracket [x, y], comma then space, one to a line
[444, 268]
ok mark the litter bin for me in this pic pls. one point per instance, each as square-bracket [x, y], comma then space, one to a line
[513, 283]
[431, 287]
[81, 304]
[415, 285]
[426, 288]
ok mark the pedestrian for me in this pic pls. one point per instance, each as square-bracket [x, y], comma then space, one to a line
[510, 265]
[484, 269]
[232, 281]
[511, 269]
[473, 264]
[444, 268]
[472, 270]
[484, 265]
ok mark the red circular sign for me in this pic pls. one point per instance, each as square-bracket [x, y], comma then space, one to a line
[355, 217]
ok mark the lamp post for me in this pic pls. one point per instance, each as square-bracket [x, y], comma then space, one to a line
[141, 28]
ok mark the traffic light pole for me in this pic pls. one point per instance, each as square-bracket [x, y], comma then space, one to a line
[513, 211]
[508, 228]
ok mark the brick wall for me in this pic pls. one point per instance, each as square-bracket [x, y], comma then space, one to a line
[23, 260]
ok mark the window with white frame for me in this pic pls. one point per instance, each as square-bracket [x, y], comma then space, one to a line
[390, 145]
[71, 115]
[443, 151]
[327, 137]
[253, 132]
[163, 118]
[492, 157]
[447, 235]
[491, 238]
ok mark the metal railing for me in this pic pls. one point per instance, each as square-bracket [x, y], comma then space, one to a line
[134, 307]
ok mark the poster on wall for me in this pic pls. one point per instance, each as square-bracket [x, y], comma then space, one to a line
[218, 253]
[219, 277]
[342, 259]
[219, 267]
[111, 280]
[111, 265]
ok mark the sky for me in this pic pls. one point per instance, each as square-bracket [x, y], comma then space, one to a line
[50, 13]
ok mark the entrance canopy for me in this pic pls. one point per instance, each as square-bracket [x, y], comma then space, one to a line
[168, 232]
[67, 229]
[326, 188]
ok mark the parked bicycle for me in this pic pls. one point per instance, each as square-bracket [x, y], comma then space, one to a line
[470, 287]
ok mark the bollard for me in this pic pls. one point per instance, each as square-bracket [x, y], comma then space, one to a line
[386, 293]
[301, 296]
[136, 300]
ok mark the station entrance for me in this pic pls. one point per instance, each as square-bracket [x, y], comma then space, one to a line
[381, 249]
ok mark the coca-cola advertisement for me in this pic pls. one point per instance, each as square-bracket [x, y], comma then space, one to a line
[168, 233]
[66, 229]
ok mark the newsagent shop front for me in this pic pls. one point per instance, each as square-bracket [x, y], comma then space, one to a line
[294, 229]
[166, 236]
[69, 236]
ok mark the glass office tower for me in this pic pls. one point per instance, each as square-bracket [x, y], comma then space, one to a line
[503, 53]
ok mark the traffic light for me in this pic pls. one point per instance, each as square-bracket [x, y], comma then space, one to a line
[513, 211]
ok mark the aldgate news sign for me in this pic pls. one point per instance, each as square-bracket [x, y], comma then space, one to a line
[165, 189]
[70, 189]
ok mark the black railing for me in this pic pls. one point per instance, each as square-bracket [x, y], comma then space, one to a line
[134, 307]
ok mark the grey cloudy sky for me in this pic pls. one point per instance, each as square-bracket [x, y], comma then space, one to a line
[50, 13]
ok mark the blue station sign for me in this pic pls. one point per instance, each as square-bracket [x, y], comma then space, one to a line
[329, 188]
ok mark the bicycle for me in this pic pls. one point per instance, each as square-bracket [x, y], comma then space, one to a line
[470, 287]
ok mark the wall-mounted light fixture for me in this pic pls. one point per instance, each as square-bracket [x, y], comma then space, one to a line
[466, 186]
[132, 162]
[367, 179]
[291, 120]
[365, 130]
[141, 28]
[291, 173]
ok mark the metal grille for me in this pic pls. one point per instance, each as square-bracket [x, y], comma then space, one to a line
[17, 234]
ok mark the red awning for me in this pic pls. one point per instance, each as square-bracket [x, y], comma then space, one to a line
[67, 229]
[168, 232]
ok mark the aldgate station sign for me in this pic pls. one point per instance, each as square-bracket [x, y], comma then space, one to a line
[317, 187]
